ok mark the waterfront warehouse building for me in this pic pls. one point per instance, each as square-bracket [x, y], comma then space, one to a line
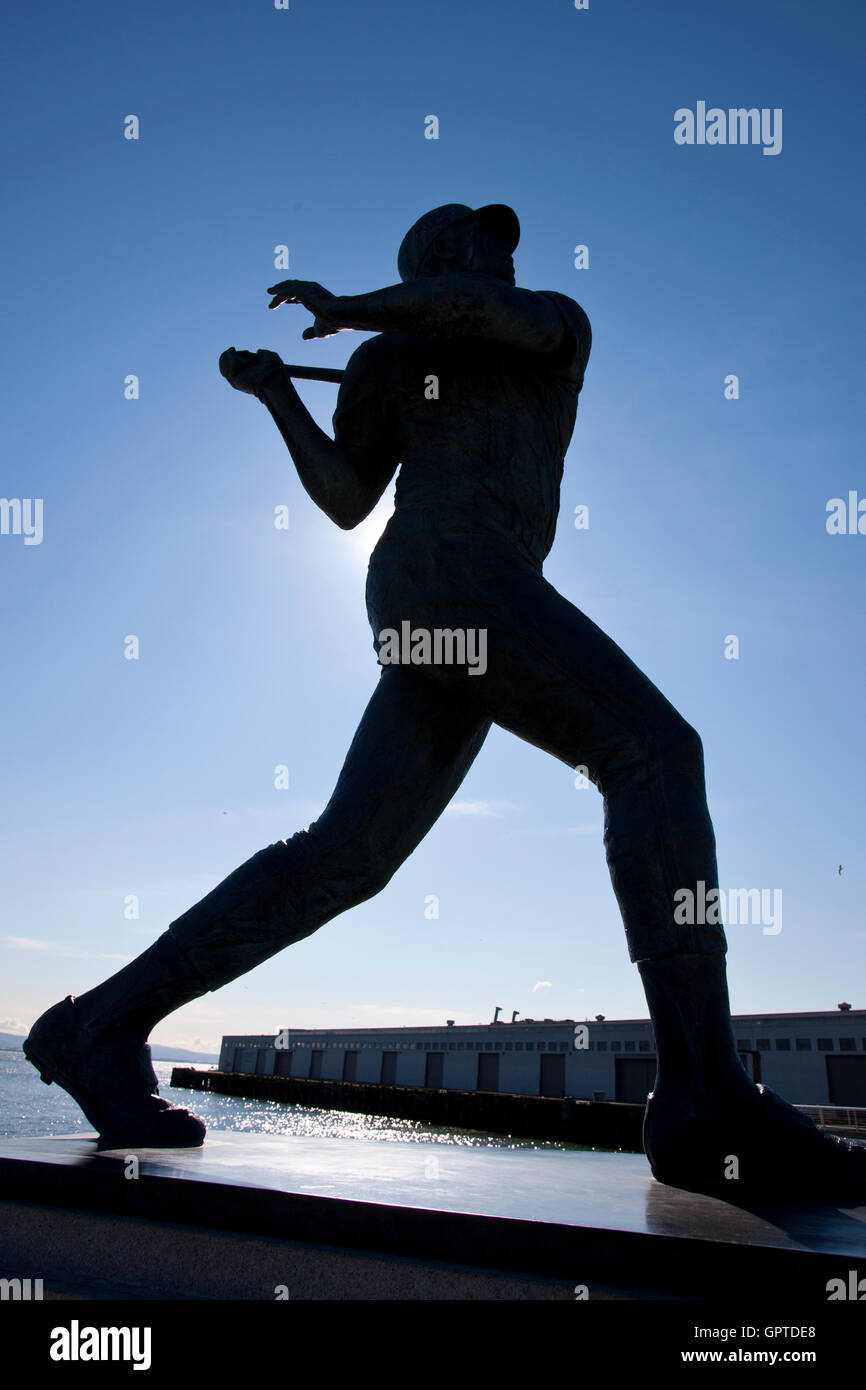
[811, 1059]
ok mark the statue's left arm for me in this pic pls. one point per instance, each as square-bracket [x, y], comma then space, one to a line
[456, 305]
[345, 476]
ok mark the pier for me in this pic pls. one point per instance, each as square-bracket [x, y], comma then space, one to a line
[595, 1124]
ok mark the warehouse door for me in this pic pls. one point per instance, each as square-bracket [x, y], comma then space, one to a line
[284, 1063]
[435, 1070]
[635, 1078]
[350, 1066]
[552, 1082]
[488, 1071]
[846, 1080]
[316, 1062]
[389, 1069]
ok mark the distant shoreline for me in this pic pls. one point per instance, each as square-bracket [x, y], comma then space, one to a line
[11, 1042]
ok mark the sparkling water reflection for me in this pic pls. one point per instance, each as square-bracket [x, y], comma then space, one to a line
[29, 1108]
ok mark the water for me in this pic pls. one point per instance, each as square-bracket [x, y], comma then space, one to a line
[29, 1108]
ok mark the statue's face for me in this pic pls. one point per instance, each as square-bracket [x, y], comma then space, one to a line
[470, 246]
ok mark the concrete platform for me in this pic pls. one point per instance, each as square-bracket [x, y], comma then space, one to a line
[340, 1218]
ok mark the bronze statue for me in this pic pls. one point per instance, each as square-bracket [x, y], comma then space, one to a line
[471, 387]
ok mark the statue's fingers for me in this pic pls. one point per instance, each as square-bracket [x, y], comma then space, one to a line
[284, 293]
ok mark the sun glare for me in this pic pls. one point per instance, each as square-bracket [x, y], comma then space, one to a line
[365, 536]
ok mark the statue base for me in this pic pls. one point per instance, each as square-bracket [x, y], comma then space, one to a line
[264, 1217]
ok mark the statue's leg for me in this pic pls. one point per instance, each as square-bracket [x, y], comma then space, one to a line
[411, 751]
[555, 679]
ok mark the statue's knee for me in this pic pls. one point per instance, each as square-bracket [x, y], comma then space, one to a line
[349, 867]
[375, 874]
[670, 746]
[682, 749]
[690, 745]
[356, 866]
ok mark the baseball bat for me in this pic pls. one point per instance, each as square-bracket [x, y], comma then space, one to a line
[315, 373]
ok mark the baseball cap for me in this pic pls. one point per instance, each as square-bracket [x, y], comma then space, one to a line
[500, 219]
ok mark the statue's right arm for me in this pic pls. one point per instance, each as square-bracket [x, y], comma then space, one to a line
[344, 478]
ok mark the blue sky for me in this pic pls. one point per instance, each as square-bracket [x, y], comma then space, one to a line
[305, 127]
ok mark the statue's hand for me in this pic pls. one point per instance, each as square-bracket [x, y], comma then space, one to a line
[314, 297]
[248, 371]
